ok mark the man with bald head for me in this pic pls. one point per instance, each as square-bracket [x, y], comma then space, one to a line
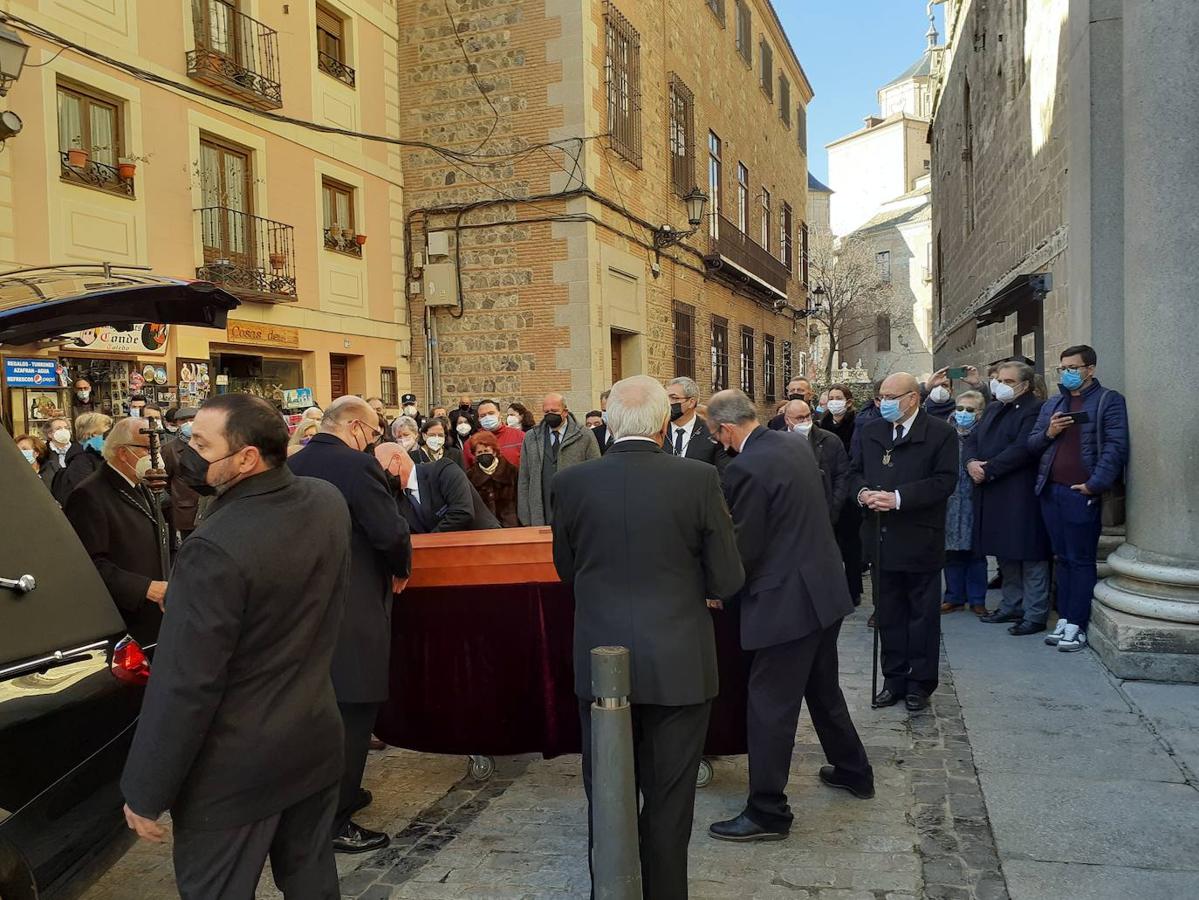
[831, 456]
[906, 470]
[557, 442]
[380, 550]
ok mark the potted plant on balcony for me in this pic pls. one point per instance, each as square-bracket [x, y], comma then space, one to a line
[127, 167]
[77, 157]
[347, 235]
[278, 261]
[360, 239]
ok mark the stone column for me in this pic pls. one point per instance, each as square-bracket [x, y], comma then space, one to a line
[1146, 621]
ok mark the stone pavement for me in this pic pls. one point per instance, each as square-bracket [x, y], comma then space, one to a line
[1034, 775]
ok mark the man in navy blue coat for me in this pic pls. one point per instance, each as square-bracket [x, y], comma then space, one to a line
[794, 599]
[381, 549]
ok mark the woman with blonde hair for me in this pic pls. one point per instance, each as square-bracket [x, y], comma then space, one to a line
[302, 435]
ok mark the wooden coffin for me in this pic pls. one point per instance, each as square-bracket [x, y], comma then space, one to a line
[494, 556]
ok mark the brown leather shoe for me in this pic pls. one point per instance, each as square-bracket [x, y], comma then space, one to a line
[979, 611]
[950, 607]
[377, 744]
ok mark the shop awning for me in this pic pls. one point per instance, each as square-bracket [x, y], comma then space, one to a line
[44, 303]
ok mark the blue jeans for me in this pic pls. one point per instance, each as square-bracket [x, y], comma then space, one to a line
[1074, 523]
[965, 578]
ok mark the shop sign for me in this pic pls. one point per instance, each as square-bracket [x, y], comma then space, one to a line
[33, 373]
[298, 397]
[262, 334]
[141, 339]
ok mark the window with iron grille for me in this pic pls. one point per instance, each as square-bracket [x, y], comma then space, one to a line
[766, 220]
[717, 7]
[682, 136]
[785, 99]
[747, 361]
[788, 368]
[331, 45]
[389, 387]
[882, 261]
[684, 339]
[768, 366]
[882, 333]
[766, 60]
[338, 202]
[91, 124]
[743, 198]
[745, 29]
[785, 240]
[622, 72]
[803, 231]
[720, 354]
[715, 184]
[801, 129]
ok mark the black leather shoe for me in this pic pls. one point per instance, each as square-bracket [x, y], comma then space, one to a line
[871, 623]
[997, 617]
[743, 829]
[356, 839]
[362, 801]
[1022, 628]
[916, 701]
[863, 790]
[885, 697]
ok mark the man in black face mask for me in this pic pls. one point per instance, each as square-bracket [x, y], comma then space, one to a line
[688, 435]
[381, 550]
[555, 443]
[798, 388]
[239, 735]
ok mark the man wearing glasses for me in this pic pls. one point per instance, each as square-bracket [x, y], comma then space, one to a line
[380, 551]
[1082, 439]
[904, 475]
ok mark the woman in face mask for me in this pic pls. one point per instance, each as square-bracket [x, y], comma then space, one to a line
[90, 429]
[33, 448]
[494, 478]
[518, 416]
[433, 445]
[301, 436]
[841, 420]
[406, 433]
[462, 431]
[965, 573]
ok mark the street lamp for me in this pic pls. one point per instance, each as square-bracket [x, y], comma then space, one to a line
[12, 57]
[667, 236]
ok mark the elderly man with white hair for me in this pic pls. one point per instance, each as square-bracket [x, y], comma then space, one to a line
[112, 511]
[645, 540]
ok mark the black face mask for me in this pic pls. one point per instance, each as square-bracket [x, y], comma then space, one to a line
[485, 459]
[796, 397]
[676, 411]
[553, 420]
[464, 406]
[193, 471]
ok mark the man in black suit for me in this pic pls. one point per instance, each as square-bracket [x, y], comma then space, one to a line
[112, 511]
[831, 457]
[646, 540]
[794, 599]
[381, 550]
[436, 496]
[798, 388]
[239, 735]
[603, 436]
[688, 435]
[905, 472]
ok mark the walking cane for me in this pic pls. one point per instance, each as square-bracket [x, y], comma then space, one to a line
[875, 566]
[153, 430]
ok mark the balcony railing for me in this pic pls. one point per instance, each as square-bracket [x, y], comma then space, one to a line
[732, 245]
[342, 240]
[235, 53]
[95, 174]
[331, 65]
[251, 257]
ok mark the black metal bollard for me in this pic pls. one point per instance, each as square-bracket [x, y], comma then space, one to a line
[615, 858]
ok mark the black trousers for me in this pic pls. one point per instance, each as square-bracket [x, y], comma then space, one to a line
[226, 864]
[668, 744]
[848, 531]
[781, 678]
[359, 721]
[909, 627]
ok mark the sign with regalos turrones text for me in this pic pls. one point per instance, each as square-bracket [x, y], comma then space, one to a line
[31, 373]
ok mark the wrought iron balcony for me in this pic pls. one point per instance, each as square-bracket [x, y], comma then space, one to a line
[331, 65]
[235, 53]
[95, 174]
[343, 240]
[247, 255]
[733, 246]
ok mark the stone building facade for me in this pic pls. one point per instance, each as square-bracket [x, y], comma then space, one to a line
[577, 126]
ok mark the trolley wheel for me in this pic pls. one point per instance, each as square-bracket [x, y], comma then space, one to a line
[703, 777]
[480, 768]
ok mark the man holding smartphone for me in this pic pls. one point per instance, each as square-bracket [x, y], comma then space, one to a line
[1081, 437]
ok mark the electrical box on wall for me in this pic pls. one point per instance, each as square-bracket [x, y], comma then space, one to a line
[441, 285]
[438, 243]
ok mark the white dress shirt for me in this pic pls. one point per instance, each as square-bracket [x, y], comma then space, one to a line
[413, 485]
[688, 432]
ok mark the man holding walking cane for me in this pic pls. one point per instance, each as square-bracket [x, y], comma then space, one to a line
[905, 473]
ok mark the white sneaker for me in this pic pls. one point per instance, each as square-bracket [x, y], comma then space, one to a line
[1073, 640]
[1056, 635]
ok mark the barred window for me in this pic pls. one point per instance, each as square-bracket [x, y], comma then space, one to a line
[882, 260]
[788, 368]
[622, 72]
[785, 240]
[803, 230]
[720, 354]
[882, 333]
[682, 136]
[743, 198]
[388, 387]
[747, 361]
[785, 99]
[766, 220]
[715, 183]
[768, 367]
[684, 339]
[745, 28]
[766, 59]
[717, 7]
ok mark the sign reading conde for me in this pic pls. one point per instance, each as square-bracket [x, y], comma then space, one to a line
[263, 334]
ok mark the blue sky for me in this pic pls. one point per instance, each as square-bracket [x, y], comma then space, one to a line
[849, 49]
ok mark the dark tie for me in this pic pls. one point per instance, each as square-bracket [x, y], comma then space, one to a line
[678, 442]
[898, 433]
[412, 498]
[554, 439]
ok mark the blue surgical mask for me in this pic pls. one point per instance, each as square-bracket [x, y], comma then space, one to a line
[95, 442]
[964, 418]
[29, 455]
[1071, 379]
[890, 410]
[185, 431]
[821, 410]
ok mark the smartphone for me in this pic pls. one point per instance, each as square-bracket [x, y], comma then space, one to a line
[956, 373]
[1080, 418]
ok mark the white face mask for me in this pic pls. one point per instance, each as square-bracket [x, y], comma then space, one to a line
[135, 413]
[410, 410]
[514, 421]
[1004, 393]
[804, 428]
[83, 396]
[939, 394]
[61, 436]
[143, 466]
[463, 428]
[836, 407]
[407, 442]
[435, 443]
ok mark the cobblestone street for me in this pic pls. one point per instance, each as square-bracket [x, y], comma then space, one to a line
[1011, 719]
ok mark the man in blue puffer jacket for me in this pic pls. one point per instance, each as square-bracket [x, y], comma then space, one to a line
[1079, 462]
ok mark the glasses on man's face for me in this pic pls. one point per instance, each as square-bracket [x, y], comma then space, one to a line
[1062, 370]
[882, 397]
[801, 419]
